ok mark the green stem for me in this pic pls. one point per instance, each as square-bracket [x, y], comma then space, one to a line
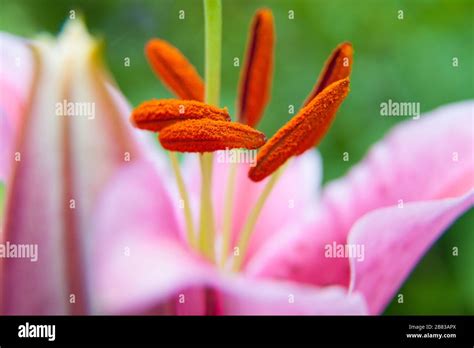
[253, 217]
[184, 196]
[213, 39]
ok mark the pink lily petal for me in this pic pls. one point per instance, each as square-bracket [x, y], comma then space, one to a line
[63, 158]
[16, 78]
[144, 273]
[297, 253]
[138, 192]
[425, 159]
[241, 296]
[159, 273]
[138, 250]
[16, 73]
[394, 240]
[143, 266]
[145, 141]
[413, 163]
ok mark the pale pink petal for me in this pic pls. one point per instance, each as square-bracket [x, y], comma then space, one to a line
[146, 140]
[242, 296]
[161, 276]
[426, 159]
[16, 75]
[297, 253]
[136, 197]
[394, 239]
[142, 265]
[139, 257]
[65, 163]
[145, 273]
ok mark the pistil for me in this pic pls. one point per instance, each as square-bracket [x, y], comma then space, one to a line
[213, 40]
[206, 225]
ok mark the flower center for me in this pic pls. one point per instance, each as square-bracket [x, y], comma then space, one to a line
[189, 125]
[205, 241]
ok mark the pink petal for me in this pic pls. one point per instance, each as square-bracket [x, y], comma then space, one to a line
[140, 259]
[241, 296]
[62, 158]
[16, 72]
[297, 253]
[160, 276]
[151, 278]
[143, 266]
[136, 197]
[394, 240]
[413, 163]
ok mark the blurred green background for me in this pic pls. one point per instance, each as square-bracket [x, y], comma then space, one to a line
[404, 60]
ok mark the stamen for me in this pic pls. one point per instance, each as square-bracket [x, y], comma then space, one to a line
[254, 94]
[256, 79]
[176, 72]
[156, 114]
[207, 135]
[190, 234]
[253, 217]
[337, 67]
[316, 117]
[228, 207]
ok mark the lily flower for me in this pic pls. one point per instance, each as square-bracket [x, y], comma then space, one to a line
[63, 136]
[278, 260]
[118, 237]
